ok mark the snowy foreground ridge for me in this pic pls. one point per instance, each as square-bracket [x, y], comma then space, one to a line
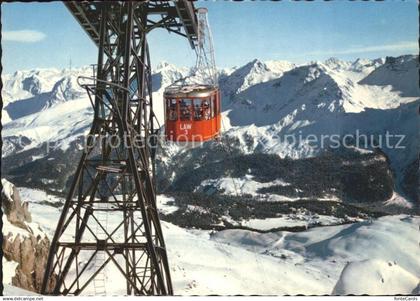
[370, 257]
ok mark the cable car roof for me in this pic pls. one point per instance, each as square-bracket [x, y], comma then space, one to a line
[194, 90]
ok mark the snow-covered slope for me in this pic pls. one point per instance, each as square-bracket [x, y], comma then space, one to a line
[253, 73]
[326, 99]
[376, 277]
[244, 262]
[10, 290]
[394, 73]
[331, 249]
[59, 125]
[28, 83]
[28, 92]
[316, 89]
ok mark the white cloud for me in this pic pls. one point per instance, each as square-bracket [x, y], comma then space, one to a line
[23, 36]
[405, 46]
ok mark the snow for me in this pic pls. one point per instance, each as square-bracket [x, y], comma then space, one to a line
[13, 230]
[37, 196]
[279, 67]
[7, 188]
[399, 201]
[235, 186]
[275, 263]
[253, 73]
[247, 185]
[375, 277]
[308, 99]
[327, 250]
[262, 101]
[5, 118]
[9, 268]
[164, 207]
[298, 220]
[61, 123]
[58, 109]
[393, 72]
[10, 290]
[197, 209]
[25, 84]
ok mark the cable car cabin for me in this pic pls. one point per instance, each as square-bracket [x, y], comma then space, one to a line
[192, 113]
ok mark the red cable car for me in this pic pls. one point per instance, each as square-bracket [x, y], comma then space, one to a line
[192, 113]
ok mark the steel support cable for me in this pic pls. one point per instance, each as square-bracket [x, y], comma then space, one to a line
[219, 244]
[228, 150]
[254, 248]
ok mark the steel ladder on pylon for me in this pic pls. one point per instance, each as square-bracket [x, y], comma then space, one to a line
[99, 282]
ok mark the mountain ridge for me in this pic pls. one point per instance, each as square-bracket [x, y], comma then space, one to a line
[261, 102]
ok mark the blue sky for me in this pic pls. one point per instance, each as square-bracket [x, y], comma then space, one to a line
[46, 35]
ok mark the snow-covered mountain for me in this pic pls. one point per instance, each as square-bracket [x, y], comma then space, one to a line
[262, 102]
[31, 91]
[253, 73]
[318, 99]
[259, 191]
[330, 98]
[394, 72]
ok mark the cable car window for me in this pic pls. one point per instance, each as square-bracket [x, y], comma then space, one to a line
[211, 108]
[185, 109]
[172, 110]
[198, 109]
[215, 106]
[206, 109]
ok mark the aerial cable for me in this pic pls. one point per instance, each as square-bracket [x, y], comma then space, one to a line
[229, 150]
[204, 72]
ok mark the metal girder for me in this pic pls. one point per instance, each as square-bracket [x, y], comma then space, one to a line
[87, 17]
[177, 14]
[188, 18]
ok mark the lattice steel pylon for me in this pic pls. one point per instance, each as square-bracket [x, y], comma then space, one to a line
[116, 170]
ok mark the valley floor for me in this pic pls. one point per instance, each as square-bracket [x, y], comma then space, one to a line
[377, 256]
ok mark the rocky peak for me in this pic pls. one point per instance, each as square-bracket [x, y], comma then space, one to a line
[255, 66]
[32, 84]
[244, 77]
[66, 89]
[23, 241]
[313, 72]
[162, 65]
[16, 211]
[366, 63]
[336, 64]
